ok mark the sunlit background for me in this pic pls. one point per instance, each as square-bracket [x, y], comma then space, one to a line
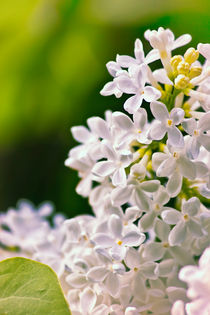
[52, 67]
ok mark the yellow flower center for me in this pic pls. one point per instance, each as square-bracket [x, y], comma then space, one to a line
[169, 122]
[186, 217]
[165, 245]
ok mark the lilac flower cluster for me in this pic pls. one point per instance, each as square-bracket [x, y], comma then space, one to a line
[148, 183]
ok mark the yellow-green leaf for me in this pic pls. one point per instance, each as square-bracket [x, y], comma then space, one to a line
[29, 287]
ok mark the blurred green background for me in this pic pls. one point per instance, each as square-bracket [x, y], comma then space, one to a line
[52, 67]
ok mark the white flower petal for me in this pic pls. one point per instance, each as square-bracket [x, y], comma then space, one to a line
[175, 137]
[177, 234]
[108, 150]
[76, 280]
[119, 177]
[162, 230]
[151, 94]
[153, 251]
[157, 130]
[81, 133]
[103, 168]
[121, 195]
[118, 252]
[187, 167]
[177, 115]
[166, 168]
[175, 294]
[182, 40]
[87, 300]
[165, 267]
[132, 258]
[122, 121]
[193, 148]
[204, 49]
[174, 184]
[102, 239]
[138, 50]
[125, 61]
[113, 68]
[73, 229]
[162, 197]
[161, 307]
[195, 228]
[125, 84]
[171, 216]
[191, 206]
[157, 159]
[133, 238]
[115, 225]
[205, 141]
[178, 308]
[97, 273]
[112, 284]
[140, 118]
[99, 127]
[201, 169]
[189, 125]
[159, 111]
[111, 88]
[133, 103]
[141, 199]
[161, 76]
[147, 220]
[153, 55]
[150, 185]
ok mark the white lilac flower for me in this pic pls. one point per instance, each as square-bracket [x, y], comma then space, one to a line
[90, 138]
[160, 198]
[175, 165]
[166, 123]
[115, 164]
[84, 166]
[111, 87]
[137, 191]
[139, 176]
[154, 251]
[134, 130]
[184, 221]
[163, 42]
[127, 61]
[197, 278]
[199, 134]
[133, 82]
[107, 272]
[26, 224]
[117, 241]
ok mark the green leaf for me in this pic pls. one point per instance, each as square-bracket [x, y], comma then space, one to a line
[29, 287]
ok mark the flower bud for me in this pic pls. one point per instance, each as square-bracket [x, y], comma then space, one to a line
[191, 55]
[175, 60]
[183, 67]
[181, 82]
[195, 72]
